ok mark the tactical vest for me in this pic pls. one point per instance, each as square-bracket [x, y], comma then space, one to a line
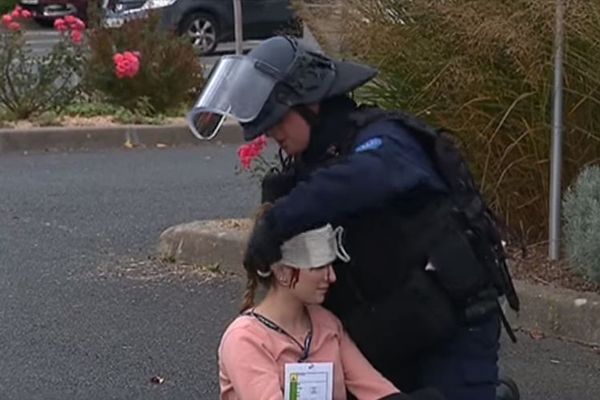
[468, 254]
[473, 217]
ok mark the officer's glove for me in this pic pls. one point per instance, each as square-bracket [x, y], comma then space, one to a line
[263, 247]
[276, 185]
[421, 394]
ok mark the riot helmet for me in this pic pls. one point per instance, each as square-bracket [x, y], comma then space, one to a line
[259, 88]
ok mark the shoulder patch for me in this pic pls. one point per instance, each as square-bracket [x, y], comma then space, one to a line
[371, 144]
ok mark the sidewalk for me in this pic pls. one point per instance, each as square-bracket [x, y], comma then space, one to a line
[90, 137]
[545, 310]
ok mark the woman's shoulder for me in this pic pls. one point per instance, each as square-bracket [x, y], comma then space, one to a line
[244, 336]
[323, 317]
[242, 326]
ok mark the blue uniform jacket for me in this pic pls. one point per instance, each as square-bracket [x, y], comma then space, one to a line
[387, 162]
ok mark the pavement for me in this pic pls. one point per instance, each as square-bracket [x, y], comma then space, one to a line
[85, 311]
[88, 312]
[71, 138]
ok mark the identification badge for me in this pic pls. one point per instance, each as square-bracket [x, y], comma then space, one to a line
[308, 381]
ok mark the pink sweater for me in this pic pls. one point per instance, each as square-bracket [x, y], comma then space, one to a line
[252, 359]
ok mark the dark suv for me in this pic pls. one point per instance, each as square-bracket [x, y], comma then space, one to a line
[209, 22]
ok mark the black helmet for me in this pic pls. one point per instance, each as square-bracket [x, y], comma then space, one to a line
[258, 89]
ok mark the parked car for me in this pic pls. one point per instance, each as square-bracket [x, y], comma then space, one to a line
[46, 11]
[209, 22]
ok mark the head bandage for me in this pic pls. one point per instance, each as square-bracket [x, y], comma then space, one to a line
[312, 249]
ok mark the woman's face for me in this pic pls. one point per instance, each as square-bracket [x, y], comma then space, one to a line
[312, 284]
[292, 133]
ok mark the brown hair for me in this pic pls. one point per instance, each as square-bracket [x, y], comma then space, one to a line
[250, 293]
[252, 277]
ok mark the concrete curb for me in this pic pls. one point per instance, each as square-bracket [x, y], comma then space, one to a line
[558, 312]
[91, 138]
[206, 243]
[553, 311]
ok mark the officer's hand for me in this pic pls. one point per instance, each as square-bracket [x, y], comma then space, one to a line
[263, 247]
[276, 185]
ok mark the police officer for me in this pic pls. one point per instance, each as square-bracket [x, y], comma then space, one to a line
[420, 294]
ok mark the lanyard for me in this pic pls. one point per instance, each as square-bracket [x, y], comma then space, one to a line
[272, 325]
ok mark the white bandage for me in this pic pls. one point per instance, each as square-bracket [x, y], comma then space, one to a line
[314, 248]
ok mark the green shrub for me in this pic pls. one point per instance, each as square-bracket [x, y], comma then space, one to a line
[94, 14]
[142, 114]
[484, 69]
[90, 109]
[582, 223]
[32, 83]
[46, 118]
[169, 75]
[7, 5]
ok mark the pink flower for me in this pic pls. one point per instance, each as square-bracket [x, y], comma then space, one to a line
[14, 26]
[133, 62]
[76, 37]
[127, 64]
[260, 143]
[245, 155]
[77, 25]
[6, 19]
[70, 19]
[16, 13]
[129, 55]
[25, 14]
[60, 25]
[248, 152]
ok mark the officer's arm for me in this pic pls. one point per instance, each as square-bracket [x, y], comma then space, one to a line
[379, 170]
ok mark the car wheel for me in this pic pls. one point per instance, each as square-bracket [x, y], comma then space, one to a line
[202, 30]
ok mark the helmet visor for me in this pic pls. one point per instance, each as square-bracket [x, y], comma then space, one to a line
[235, 89]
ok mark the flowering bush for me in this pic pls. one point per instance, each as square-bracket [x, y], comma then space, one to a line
[141, 60]
[33, 83]
[72, 26]
[252, 159]
[11, 20]
[252, 151]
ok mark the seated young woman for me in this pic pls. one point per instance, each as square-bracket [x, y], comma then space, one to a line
[289, 327]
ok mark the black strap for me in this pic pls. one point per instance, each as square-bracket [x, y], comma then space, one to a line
[509, 329]
[272, 325]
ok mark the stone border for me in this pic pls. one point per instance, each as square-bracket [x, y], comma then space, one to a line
[92, 138]
[552, 311]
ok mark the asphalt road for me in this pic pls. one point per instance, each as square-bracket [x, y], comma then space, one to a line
[87, 313]
[77, 319]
